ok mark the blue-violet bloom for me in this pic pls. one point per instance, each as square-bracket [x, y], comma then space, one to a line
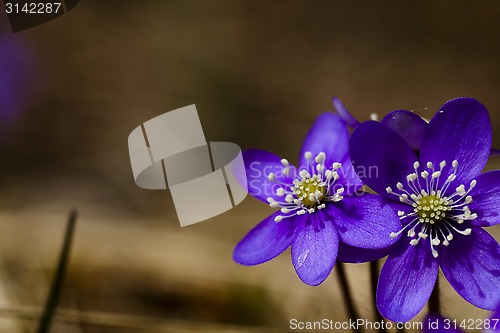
[442, 201]
[320, 207]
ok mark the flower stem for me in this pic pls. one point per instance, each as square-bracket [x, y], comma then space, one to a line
[373, 281]
[57, 283]
[346, 293]
[434, 302]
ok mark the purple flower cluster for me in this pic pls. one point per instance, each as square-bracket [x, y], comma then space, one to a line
[429, 210]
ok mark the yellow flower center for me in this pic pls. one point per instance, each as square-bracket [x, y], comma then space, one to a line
[310, 190]
[431, 208]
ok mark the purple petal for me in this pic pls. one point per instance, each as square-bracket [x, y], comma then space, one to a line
[407, 124]
[314, 249]
[258, 165]
[328, 134]
[348, 178]
[472, 266]
[380, 156]
[266, 241]
[460, 131]
[435, 323]
[364, 221]
[486, 199]
[406, 281]
[346, 116]
[494, 152]
[397, 206]
[354, 255]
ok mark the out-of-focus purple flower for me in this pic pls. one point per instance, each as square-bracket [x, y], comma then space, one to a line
[14, 71]
[342, 111]
[435, 323]
[321, 215]
[409, 125]
[442, 201]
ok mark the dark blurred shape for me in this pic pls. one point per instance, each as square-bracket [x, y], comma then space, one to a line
[70, 4]
[59, 276]
[28, 14]
[126, 291]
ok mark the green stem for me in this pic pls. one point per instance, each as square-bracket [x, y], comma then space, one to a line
[346, 293]
[57, 282]
[373, 281]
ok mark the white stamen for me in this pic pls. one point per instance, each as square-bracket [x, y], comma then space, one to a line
[434, 208]
[274, 204]
[320, 158]
[411, 177]
[304, 174]
[315, 187]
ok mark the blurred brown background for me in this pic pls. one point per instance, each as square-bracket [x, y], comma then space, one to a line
[259, 73]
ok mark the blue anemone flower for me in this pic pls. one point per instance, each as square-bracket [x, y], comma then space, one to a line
[442, 201]
[322, 215]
